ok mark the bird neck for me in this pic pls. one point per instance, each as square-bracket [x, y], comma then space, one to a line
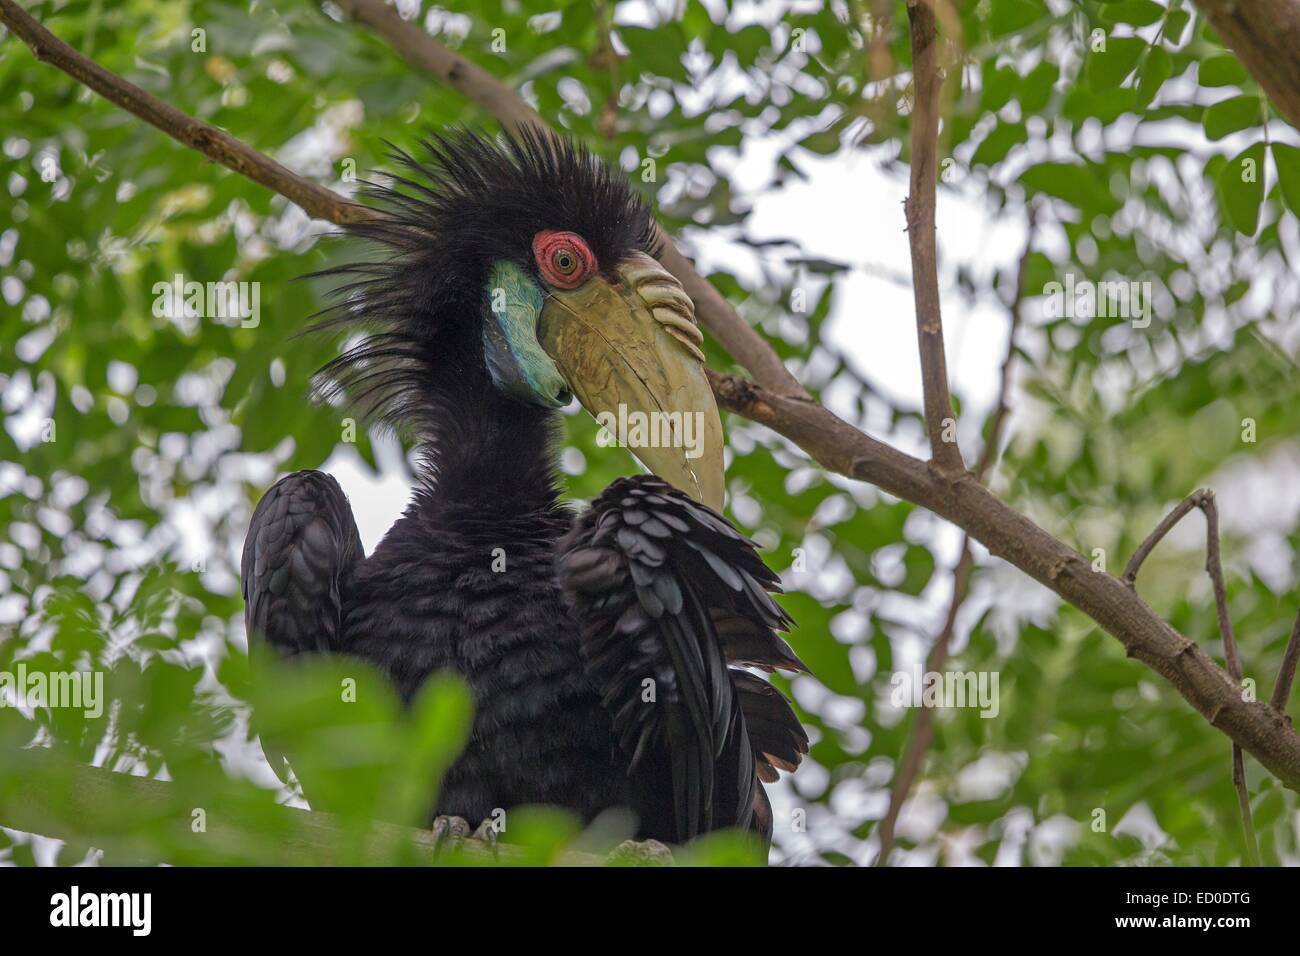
[485, 451]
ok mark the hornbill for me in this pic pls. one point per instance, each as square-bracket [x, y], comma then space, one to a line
[611, 656]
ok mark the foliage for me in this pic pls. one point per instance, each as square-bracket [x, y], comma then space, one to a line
[1156, 159]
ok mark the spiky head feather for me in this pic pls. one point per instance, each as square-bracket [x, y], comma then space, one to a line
[470, 202]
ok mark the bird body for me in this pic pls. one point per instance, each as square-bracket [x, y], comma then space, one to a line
[603, 648]
[454, 588]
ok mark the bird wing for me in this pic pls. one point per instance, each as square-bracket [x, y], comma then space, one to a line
[668, 594]
[300, 555]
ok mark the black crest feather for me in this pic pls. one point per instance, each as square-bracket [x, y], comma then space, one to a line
[470, 201]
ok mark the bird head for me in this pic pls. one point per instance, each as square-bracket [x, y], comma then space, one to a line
[526, 267]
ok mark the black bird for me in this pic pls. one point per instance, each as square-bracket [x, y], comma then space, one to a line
[603, 649]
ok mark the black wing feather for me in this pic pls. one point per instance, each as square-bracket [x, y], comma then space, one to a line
[665, 588]
[299, 559]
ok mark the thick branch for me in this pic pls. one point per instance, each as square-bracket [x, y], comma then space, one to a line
[939, 418]
[1265, 35]
[750, 350]
[839, 447]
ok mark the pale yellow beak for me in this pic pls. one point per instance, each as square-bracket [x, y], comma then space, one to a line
[631, 354]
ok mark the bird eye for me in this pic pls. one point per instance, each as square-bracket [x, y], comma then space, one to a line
[563, 259]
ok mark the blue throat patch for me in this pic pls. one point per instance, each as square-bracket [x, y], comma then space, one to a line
[515, 359]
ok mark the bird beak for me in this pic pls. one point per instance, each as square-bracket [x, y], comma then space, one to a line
[630, 351]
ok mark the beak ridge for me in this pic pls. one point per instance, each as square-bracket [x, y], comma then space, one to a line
[631, 353]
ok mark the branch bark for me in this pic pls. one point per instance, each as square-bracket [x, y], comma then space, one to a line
[928, 84]
[1265, 35]
[844, 449]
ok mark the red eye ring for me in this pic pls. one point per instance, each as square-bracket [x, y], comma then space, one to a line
[563, 258]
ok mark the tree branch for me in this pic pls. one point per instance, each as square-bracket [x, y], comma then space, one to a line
[750, 350]
[1204, 499]
[467, 78]
[841, 448]
[927, 83]
[216, 144]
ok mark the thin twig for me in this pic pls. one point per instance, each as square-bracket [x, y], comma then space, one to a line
[928, 85]
[1243, 806]
[1157, 535]
[909, 768]
[1204, 500]
[993, 444]
[1286, 674]
[1214, 567]
[918, 744]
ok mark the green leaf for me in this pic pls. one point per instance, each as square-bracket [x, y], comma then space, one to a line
[1008, 16]
[1230, 115]
[1241, 185]
[825, 143]
[1287, 159]
[1223, 70]
[1140, 13]
[998, 85]
[1157, 68]
[1109, 68]
[1036, 90]
[919, 565]
[813, 642]
[749, 42]
[1077, 185]
[657, 51]
[995, 146]
[1175, 23]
